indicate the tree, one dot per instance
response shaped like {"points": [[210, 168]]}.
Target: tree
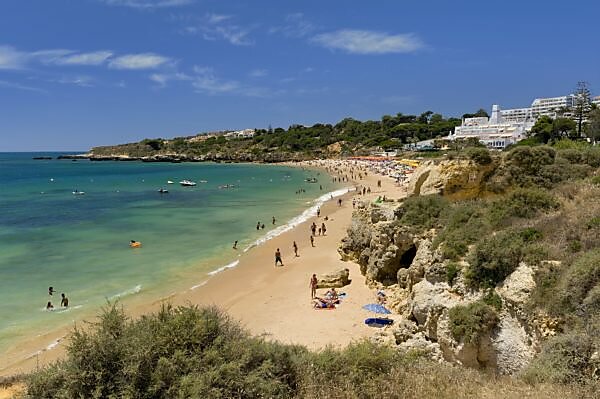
{"points": [[543, 129], [480, 113], [593, 128], [583, 104], [563, 127]]}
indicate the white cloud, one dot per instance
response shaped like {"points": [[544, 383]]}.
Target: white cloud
{"points": [[81, 81], [94, 58], [216, 18], [11, 58], [148, 4], [12, 85], [139, 61], [163, 78], [296, 26], [258, 73], [368, 42], [206, 81], [215, 26]]}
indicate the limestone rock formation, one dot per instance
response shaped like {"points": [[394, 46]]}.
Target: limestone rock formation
{"points": [[450, 178], [337, 279]]}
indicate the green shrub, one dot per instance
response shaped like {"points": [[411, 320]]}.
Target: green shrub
{"points": [[596, 180], [530, 234], [469, 323], [422, 212], [463, 224], [571, 155], [494, 258], [578, 281], [452, 271], [492, 299], [522, 203], [479, 155], [564, 359]]}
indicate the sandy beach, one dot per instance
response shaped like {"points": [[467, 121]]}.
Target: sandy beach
{"points": [[270, 301]]}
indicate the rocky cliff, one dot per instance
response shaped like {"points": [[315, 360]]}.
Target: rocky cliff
{"points": [[424, 288]]}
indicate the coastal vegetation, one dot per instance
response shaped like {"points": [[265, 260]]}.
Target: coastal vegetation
{"points": [[347, 137], [190, 352]]}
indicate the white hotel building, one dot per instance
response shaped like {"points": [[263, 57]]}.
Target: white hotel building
{"points": [[508, 126], [496, 131]]}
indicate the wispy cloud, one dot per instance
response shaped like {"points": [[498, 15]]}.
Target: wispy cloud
{"points": [[148, 4], [219, 27], [368, 42], [296, 26], [13, 85], [162, 79], [81, 81], [10, 58], [206, 81], [258, 73], [94, 58], [139, 61]]}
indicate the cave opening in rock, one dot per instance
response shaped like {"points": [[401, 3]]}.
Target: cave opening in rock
{"points": [[408, 256]]}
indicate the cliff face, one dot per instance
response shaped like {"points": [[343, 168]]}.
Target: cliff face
{"points": [[416, 280], [457, 179]]}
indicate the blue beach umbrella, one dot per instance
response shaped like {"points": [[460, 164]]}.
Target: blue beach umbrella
{"points": [[377, 308]]}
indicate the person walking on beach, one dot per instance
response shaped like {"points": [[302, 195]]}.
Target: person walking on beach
{"points": [[318, 212], [323, 228], [235, 244], [319, 231], [64, 302], [295, 246], [378, 183], [313, 286], [312, 241], [340, 202], [313, 228], [278, 257]]}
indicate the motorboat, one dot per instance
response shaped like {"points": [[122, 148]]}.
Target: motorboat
{"points": [[203, 181], [163, 191], [169, 182], [187, 183], [227, 186], [77, 192]]}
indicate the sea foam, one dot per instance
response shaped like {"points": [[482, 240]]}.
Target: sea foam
{"points": [[131, 291], [303, 217]]}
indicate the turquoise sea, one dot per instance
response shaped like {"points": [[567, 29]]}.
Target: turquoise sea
{"points": [[79, 243]]}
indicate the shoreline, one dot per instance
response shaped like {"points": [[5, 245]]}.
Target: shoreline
{"points": [[252, 291]]}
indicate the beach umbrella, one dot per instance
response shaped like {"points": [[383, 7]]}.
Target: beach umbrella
{"points": [[377, 308]]}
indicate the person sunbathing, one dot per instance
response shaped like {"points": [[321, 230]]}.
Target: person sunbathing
{"points": [[322, 303], [332, 295]]}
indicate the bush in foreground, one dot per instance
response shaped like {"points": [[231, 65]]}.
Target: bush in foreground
{"points": [[192, 352]]}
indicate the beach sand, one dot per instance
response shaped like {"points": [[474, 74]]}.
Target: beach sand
{"points": [[270, 301]]}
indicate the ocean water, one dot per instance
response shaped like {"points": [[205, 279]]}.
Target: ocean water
{"points": [[79, 243]]}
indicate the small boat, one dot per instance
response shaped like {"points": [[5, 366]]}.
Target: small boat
{"points": [[187, 183], [227, 186], [135, 244], [311, 180], [203, 181], [77, 192], [169, 182], [163, 191]]}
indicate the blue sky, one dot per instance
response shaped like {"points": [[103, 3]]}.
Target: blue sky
{"points": [[80, 73]]}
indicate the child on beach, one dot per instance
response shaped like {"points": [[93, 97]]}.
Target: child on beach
{"points": [[312, 241]]}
